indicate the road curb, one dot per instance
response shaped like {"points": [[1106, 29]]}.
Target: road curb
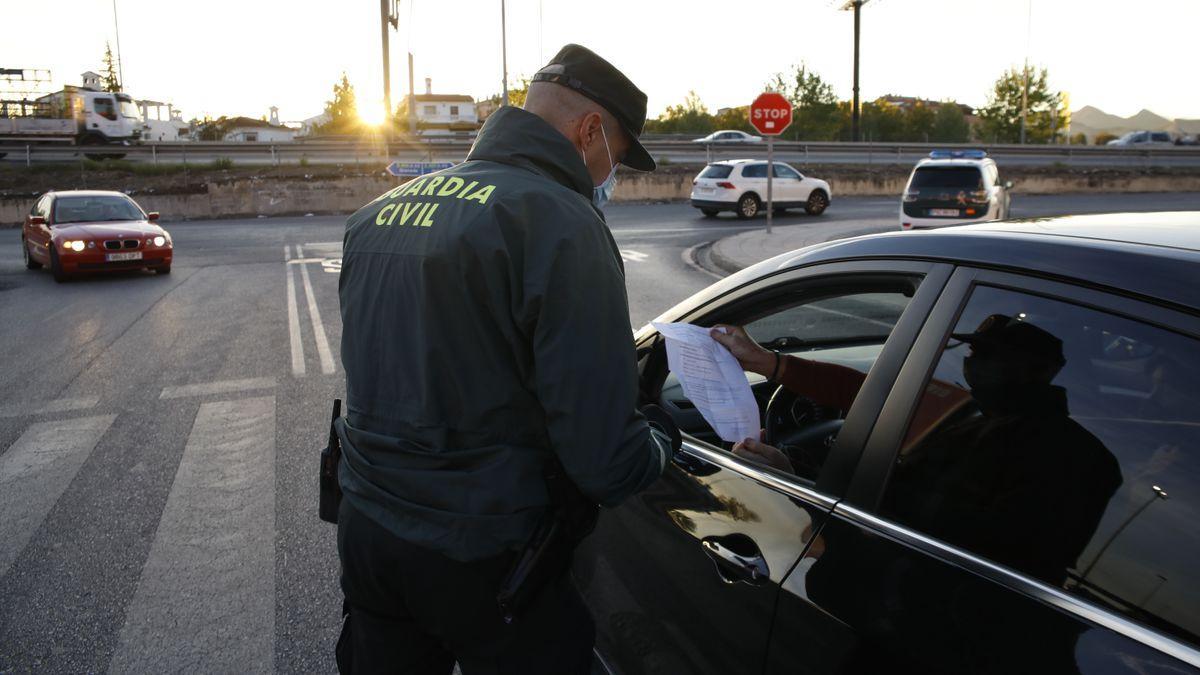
{"points": [[717, 260]]}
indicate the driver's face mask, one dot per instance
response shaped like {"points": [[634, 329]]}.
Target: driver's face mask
{"points": [[603, 192]]}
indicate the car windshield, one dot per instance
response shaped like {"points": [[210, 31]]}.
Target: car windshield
{"points": [[716, 171], [947, 178], [128, 109], [95, 208]]}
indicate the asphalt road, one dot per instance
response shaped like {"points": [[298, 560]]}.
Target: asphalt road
{"points": [[159, 436]]}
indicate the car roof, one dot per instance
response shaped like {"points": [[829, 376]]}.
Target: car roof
{"points": [[1155, 256], [956, 161], [735, 162], [86, 193]]}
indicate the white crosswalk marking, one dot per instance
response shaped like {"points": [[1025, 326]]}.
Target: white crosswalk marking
{"points": [[206, 598], [41, 407], [35, 472], [220, 387]]}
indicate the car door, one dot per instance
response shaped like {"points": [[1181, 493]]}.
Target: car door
{"points": [[789, 188], [684, 577], [991, 528], [38, 236], [754, 179]]}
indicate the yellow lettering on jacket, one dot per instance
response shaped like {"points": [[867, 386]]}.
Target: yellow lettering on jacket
{"points": [[429, 216], [481, 195], [433, 183], [383, 213], [453, 183]]}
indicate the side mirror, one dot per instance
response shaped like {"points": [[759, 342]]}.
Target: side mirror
{"points": [[37, 220], [152, 216]]}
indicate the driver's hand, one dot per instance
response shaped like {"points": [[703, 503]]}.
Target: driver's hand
{"points": [[757, 451], [750, 355]]}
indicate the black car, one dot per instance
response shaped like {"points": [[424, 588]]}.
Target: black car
{"points": [[1034, 514]]}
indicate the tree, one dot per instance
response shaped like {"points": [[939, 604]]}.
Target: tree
{"points": [[689, 117], [1103, 138], [516, 95], [918, 123], [737, 119], [111, 81], [950, 125], [1000, 119], [342, 110], [882, 122], [815, 114], [1079, 139]]}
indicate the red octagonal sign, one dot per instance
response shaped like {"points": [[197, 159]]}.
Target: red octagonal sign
{"points": [[770, 113]]}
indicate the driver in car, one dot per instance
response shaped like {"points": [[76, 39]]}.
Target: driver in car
{"points": [[826, 384]]}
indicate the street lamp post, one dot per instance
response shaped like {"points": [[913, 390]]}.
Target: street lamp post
{"points": [[856, 6], [389, 13], [503, 56]]}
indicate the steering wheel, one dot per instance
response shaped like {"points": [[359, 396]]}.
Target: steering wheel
{"points": [[796, 425]]}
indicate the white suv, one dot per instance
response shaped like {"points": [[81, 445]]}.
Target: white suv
{"points": [[740, 185], [953, 187]]}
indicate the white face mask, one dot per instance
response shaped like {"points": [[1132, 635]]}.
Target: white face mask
{"points": [[603, 192]]}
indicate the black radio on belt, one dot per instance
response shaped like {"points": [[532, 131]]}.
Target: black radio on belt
{"points": [[331, 456]]}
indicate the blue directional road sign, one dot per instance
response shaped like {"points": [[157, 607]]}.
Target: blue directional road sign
{"points": [[416, 168]]}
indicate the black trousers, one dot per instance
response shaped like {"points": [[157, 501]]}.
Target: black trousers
{"points": [[413, 610]]}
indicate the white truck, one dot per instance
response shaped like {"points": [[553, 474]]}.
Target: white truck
{"points": [[82, 116]]}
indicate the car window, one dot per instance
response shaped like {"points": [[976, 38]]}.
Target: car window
{"points": [[95, 208], [946, 178], [40, 206], [785, 171], [716, 171], [1064, 443], [104, 108], [828, 333], [754, 171], [1161, 136]]}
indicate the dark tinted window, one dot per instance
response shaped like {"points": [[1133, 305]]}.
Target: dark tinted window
{"points": [[716, 171], [947, 177], [1064, 442], [785, 171], [1161, 136], [104, 107], [754, 171], [94, 208]]}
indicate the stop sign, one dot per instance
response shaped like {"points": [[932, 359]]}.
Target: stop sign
{"points": [[770, 113]]}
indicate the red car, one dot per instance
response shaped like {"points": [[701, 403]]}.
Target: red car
{"points": [[81, 231]]}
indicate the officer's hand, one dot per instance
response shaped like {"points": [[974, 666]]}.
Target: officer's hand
{"points": [[664, 424], [750, 355]]}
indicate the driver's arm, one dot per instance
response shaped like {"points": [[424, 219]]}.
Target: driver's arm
{"points": [[826, 384]]}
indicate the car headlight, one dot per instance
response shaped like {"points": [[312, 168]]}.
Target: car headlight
{"points": [[75, 245], [160, 240]]}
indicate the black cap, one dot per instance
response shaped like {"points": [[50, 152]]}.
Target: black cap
{"points": [[581, 69], [1014, 335]]}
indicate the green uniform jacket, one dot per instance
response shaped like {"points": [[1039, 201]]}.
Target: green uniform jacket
{"points": [[485, 329]]}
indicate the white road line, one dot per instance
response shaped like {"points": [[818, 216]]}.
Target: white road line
{"points": [[315, 315], [220, 387], [35, 472], [293, 319], [206, 598], [629, 255], [42, 407]]}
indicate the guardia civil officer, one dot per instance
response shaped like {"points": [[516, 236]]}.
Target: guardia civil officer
{"points": [[487, 345]]}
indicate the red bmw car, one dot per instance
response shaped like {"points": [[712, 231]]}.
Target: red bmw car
{"points": [[79, 231]]}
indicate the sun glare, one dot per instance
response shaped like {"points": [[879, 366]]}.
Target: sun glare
{"points": [[371, 115]]}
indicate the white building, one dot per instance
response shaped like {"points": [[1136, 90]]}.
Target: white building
{"points": [[444, 113], [249, 130]]}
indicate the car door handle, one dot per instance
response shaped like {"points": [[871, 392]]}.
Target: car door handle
{"points": [[737, 558]]}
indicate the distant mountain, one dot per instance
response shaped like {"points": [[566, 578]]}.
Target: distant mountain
{"points": [[1091, 121]]}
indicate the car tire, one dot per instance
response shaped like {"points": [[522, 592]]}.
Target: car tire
{"points": [[30, 263], [56, 267], [165, 269], [93, 140], [748, 206], [817, 202], [709, 213]]}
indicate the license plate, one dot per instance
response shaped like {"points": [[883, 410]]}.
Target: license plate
{"points": [[114, 257], [705, 190], [943, 212]]}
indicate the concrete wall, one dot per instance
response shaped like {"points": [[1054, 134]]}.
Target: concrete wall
{"points": [[253, 196]]}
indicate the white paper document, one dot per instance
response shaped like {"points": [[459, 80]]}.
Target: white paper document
{"points": [[712, 380]]}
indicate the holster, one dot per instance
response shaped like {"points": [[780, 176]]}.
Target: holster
{"points": [[547, 554], [331, 457]]}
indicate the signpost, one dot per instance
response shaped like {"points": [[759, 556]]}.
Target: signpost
{"points": [[416, 168], [770, 114]]}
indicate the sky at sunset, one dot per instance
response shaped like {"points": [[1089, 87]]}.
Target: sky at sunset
{"points": [[225, 57]]}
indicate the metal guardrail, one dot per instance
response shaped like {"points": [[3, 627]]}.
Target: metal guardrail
{"points": [[346, 151]]}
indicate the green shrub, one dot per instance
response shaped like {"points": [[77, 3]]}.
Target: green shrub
{"points": [[221, 163], [1104, 138]]}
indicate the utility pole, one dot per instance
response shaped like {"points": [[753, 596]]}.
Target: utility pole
{"points": [[120, 61], [856, 6], [412, 99], [1025, 71], [503, 56], [388, 14]]}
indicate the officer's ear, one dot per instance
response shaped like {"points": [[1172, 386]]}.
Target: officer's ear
{"points": [[589, 128]]}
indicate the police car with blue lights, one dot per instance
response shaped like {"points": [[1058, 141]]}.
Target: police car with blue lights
{"points": [[954, 187]]}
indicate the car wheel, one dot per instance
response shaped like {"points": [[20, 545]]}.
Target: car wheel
{"points": [[709, 213], [747, 206], [56, 267], [165, 269], [30, 263], [817, 202]]}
